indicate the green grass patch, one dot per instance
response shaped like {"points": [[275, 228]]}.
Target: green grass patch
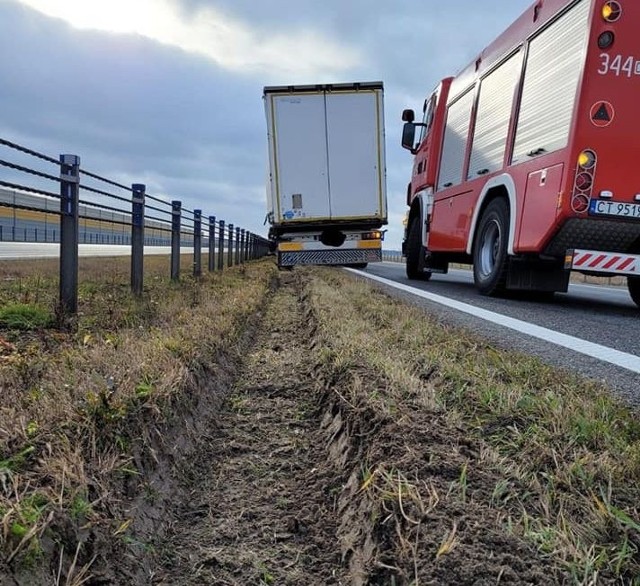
{"points": [[22, 316]]}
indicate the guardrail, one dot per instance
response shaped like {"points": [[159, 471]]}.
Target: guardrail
{"points": [[392, 256], [55, 216]]}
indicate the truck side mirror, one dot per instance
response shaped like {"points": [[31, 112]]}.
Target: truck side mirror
{"points": [[408, 115], [408, 135]]}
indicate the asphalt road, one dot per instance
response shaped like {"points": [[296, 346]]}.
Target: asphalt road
{"points": [[592, 330]]}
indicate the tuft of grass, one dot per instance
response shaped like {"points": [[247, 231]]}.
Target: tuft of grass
{"points": [[22, 316], [80, 507], [14, 463]]}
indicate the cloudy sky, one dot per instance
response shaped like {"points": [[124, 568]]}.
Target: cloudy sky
{"points": [[169, 92]]}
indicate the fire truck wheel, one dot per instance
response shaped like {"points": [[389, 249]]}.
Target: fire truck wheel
{"points": [[490, 261], [633, 283], [414, 252]]}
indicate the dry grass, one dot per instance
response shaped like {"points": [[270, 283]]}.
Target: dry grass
{"points": [[78, 405], [566, 454], [75, 402]]}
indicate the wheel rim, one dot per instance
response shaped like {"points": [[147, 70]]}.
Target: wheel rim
{"points": [[490, 248]]}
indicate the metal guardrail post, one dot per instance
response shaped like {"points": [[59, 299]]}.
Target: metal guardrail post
{"points": [[237, 253], [221, 245], [176, 213], [212, 243], [242, 246], [137, 237], [230, 247], [69, 188], [197, 243]]}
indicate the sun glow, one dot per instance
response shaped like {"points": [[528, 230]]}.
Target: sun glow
{"points": [[230, 42], [118, 16]]}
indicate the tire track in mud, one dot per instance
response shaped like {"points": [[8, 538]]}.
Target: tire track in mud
{"points": [[262, 496], [305, 478]]}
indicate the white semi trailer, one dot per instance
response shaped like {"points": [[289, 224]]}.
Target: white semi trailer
{"points": [[326, 192]]}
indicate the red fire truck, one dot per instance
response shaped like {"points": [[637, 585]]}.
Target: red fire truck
{"points": [[527, 163]]}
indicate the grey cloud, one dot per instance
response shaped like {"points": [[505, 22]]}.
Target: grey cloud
{"points": [[130, 106], [134, 108]]}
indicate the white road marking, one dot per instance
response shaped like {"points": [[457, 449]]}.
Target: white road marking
{"points": [[604, 353]]}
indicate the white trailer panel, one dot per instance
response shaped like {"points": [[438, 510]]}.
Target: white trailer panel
{"points": [[326, 154], [356, 154], [300, 172]]}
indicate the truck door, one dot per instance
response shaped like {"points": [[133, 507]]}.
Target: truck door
{"points": [[421, 179], [302, 165], [353, 144]]}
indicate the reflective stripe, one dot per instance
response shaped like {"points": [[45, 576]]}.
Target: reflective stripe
{"points": [[604, 262], [370, 244], [289, 246]]}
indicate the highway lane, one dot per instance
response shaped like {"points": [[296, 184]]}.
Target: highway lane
{"points": [[589, 314]]}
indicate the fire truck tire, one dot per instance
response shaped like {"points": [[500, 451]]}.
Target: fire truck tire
{"points": [[414, 253], [490, 259], [633, 283]]}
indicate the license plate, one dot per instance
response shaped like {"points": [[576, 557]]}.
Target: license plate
{"points": [[599, 207]]}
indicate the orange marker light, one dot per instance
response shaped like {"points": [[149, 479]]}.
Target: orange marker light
{"points": [[587, 159], [611, 11]]}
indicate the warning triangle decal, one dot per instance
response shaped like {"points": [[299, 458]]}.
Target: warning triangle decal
{"points": [[602, 114]]}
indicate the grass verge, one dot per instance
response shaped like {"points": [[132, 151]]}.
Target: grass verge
{"points": [[555, 457], [456, 461], [85, 412]]}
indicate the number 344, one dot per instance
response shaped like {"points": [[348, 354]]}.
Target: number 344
{"points": [[618, 65]]}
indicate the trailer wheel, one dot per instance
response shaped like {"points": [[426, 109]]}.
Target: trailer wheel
{"points": [[415, 253], [633, 283], [490, 260]]}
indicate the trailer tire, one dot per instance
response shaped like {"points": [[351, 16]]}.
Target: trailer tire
{"points": [[490, 259], [633, 284], [415, 253]]}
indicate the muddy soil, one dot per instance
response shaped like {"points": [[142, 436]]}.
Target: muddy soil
{"points": [[262, 503], [299, 480]]}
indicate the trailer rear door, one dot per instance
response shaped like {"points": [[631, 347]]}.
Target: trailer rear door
{"points": [[302, 182], [355, 154]]}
